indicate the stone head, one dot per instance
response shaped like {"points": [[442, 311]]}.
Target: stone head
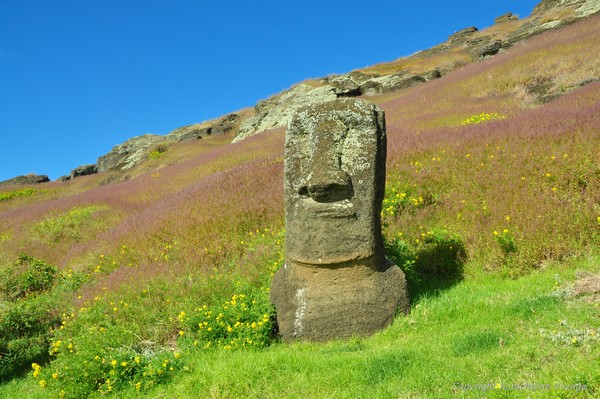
{"points": [[334, 165]]}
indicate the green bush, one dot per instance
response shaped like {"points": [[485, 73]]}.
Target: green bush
{"points": [[403, 255], [440, 255], [25, 334], [97, 350], [436, 260], [506, 242], [27, 276], [243, 321]]}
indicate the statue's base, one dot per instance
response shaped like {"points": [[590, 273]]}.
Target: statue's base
{"points": [[319, 304]]}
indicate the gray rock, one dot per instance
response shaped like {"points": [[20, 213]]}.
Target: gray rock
{"points": [[487, 49], [130, 153], [462, 34], [202, 130], [186, 133], [276, 111], [26, 179], [386, 84], [336, 282], [84, 170], [546, 5], [504, 18], [590, 7], [534, 27], [349, 85]]}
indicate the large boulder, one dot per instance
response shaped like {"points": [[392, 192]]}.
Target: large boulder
{"points": [[276, 111], [84, 170], [485, 47], [202, 130], [504, 18], [336, 281], [462, 34], [125, 156], [26, 179], [349, 84], [390, 83]]}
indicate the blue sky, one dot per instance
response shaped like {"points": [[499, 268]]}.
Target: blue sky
{"points": [[79, 77]]}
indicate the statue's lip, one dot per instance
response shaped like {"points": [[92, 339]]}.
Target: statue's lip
{"points": [[340, 209]]}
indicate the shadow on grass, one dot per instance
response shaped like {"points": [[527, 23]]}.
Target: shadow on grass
{"points": [[433, 266]]}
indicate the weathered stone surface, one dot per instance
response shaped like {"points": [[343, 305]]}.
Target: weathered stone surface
{"points": [[546, 5], [84, 170], [349, 84], [386, 84], [504, 18], [534, 27], [127, 155], [487, 49], [462, 34], [588, 8], [202, 130], [336, 281], [26, 179], [276, 111], [187, 133]]}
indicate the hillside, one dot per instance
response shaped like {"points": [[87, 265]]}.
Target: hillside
{"points": [[152, 280]]}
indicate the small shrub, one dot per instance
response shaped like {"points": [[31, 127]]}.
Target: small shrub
{"points": [[437, 258], [506, 242], [98, 350], [27, 276], [25, 334], [245, 320], [157, 151], [440, 255], [402, 255]]}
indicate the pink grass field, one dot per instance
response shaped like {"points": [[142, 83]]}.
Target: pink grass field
{"points": [[535, 173]]}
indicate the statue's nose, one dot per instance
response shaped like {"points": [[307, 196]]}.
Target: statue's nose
{"points": [[328, 185]]}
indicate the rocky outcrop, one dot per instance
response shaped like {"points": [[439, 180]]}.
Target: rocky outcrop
{"points": [[462, 34], [84, 170], [349, 84], [202, 130], [484, 46], [276, 111], [535, 27], [127, 155], [26, 179], [547, 5], [186, 133], [588, 8], [385, 84], [504, 18]]}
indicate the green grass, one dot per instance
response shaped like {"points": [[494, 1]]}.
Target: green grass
{"points": [[485, 337], [68, 226]]}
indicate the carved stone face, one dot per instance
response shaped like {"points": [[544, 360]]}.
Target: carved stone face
{"points": [[334, 182]]}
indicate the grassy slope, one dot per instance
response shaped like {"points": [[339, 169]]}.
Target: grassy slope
{"points": [[535, 173]]}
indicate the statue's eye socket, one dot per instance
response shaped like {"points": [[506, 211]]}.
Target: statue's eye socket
{"points": [[303, 191]]}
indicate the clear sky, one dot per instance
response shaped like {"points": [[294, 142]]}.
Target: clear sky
{"points": [[79, 77]]}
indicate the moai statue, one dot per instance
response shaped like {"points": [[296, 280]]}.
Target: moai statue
{"points": [[336, 281]]}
